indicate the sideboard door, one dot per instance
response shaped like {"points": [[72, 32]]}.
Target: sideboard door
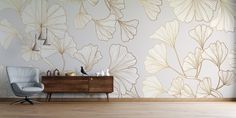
{"points": [[65, 85], [101, 84]]}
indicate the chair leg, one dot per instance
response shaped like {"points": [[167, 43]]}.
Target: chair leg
{"points": [[26, 99], [23, 102], [18, 101]]}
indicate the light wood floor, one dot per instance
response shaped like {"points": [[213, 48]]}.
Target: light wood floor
{"points": [[120, 110]]}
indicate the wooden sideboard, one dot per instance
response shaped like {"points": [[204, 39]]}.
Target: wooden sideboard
{"points": [[77, 84]]}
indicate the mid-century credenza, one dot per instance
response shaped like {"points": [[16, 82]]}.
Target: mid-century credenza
{"points": [[77, 84]]}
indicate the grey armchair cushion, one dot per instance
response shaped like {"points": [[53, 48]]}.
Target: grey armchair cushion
{"points": [[24, 81]]}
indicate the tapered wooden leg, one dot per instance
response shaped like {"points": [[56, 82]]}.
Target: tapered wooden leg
{"points": [[47, 97], [107, 97], [50, 95]]}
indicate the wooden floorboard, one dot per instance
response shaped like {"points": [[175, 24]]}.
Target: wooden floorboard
{"points": [[120, 110], [128, 99]]}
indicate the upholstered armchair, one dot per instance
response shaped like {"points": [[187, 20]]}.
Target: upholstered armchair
{"points": [[24, 82]]}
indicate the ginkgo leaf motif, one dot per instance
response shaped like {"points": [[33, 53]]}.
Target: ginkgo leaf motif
{"points": [[105, 28], [157, 59], [122, 67], [8, 32], [193, 61], [180, 89], [152, 8], [75, 2], [224, 15], [128, 29], [216, 53], [115, 7], [205, 89], [168, 33], [93, 2], [187, 10], [176, 87], [61, 46], [82, 18], [133, 93], [28, 54], [231, 58], [226, 77], [187, 92], [201, 34], [89, 56], [152, 87], [37, 14], [17, 5]]}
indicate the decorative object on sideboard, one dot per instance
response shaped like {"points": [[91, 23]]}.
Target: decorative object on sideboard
{"points": [[70, 73], [103, 73], [98, 73], [49, 73], [107, 72], [56, 72], [83, 71]]}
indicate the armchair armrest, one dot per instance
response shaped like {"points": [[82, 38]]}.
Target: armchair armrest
{"points": [[39, 85]]}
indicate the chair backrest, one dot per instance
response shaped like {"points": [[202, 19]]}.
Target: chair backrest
{"points": [[23, 74]]}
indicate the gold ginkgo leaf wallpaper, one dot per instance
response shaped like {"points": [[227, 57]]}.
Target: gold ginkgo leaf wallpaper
{"points": [[153, 48]]}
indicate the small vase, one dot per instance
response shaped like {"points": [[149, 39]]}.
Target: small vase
{"points": [[102, 73], [107, 72]]}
